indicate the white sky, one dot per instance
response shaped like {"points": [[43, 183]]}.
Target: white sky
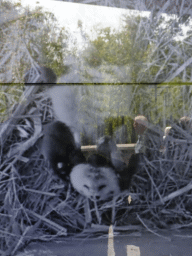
{"points": [[68, 14]]}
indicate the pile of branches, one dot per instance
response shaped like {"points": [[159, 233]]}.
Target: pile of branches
{"points": [[163, 184], [36, 205]]}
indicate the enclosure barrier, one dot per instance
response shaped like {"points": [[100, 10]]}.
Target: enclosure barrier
{"points": [[126, 150]]}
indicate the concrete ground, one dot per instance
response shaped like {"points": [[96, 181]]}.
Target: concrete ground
{"points": [[148, 243]]}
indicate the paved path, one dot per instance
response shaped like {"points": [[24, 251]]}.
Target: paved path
{"points": [[149, 245]]}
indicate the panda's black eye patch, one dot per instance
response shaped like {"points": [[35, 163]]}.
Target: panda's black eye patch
{"points": [[85, 186], [101, 187]]}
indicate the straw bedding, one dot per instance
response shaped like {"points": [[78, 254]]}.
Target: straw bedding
{"points": [[36, 205]]}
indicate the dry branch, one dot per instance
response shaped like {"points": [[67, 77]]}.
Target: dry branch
{"points": [[26, 99], [177, 193]]}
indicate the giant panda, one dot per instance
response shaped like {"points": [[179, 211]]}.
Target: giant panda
{"points": [[104, 174], [96, 178], [100, 177]]}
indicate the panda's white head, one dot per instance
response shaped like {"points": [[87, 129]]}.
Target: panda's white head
{"points": [[96, 183]]}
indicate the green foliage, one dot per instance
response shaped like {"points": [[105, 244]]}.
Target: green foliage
{"points": [[32, 37], [27, 37], [150, 50], [162, 104], [120, 48], [113, 123], [9, 98], [53, 52]]}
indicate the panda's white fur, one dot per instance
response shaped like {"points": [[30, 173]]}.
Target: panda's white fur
{"points": [[65, 106], [99, 183]]}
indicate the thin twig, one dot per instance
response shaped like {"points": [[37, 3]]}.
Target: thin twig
{"points": [[169, 239]]}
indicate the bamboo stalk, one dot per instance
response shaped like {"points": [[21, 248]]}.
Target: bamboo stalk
{"points": [[40, 192]]}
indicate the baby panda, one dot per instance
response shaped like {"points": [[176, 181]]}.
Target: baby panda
{"points": [[103, 176], [96, 178], [100, 177]]}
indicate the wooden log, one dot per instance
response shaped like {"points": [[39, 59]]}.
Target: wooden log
{"points": [[122, 147]]}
